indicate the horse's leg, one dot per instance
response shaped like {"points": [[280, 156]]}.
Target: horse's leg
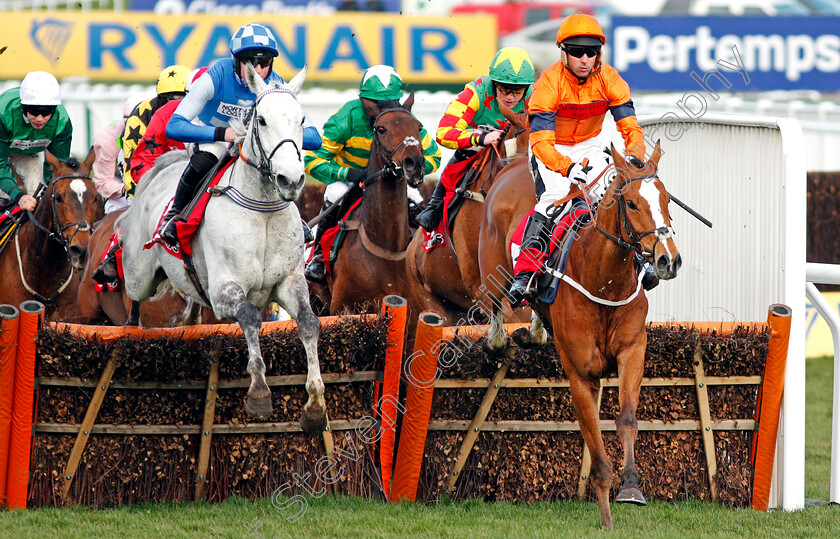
{"points": [[496, 342], [133, 314], [630, 370], [534, 336], [584, 400], [231, 302], [293, 295]]}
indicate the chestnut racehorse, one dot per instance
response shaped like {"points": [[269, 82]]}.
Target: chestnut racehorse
{"points": [[598, 328], [167, 308], [43, 259], [371, 263], [447, 279]]}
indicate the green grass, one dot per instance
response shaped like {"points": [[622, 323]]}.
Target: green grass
{"points": [[350, 517]]}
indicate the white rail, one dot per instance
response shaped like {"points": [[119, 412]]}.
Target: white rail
{"points": [[829, 274]]}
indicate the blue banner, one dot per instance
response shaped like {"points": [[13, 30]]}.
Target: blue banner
{"points": [[727, 54], [245, 7]]}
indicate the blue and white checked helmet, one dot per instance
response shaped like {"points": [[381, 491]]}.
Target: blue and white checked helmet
{"points": [[253, 36]]}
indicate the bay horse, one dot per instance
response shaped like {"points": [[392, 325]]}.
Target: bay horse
{"points": [[447, 279], [249, 248], [602, 332], [371, 263], [43, 258], [166, 308]]}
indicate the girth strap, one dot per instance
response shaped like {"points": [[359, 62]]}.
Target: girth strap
{"points": [[371, 247]]}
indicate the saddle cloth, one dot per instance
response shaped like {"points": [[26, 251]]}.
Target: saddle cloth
{"points": [[115, 284], [187, 227], [451, 177], [333, 238], [557, 232]]}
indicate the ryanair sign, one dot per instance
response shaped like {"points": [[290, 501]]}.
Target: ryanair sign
{"points": [[135, 46], [761, 53]]}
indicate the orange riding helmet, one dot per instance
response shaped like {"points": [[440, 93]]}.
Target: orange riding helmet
{"points": [[584, 28]]}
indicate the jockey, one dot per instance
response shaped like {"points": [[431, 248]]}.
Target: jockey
{"points": [[107, 167], [473, 120], [348, 134], [155, 142], [32, 119], [565, 115], [203, 117], [172, 84]]}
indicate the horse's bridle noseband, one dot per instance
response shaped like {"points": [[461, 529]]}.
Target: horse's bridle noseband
{"points": [[624, 224], [81, 226]]}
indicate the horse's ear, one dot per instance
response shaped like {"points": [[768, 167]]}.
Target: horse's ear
{"points": [[409, 101], [252, 80], [618, 159], [657, 153], [88, 162], [52, 160], [297, 81]]}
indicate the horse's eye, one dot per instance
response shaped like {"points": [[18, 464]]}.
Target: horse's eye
{"points": [[261, 120], [380, 129], [632, 205], [58, 198]]}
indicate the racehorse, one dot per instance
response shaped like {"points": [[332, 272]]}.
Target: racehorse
{"points": [[249, 247], [43, 257], [447, 279], [598, 328], [166, 308], [371, 263]]}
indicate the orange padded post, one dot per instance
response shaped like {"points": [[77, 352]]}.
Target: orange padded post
{"points": [[768, 405], [395, 308], [20, 444], [421, 372], [8, 349]]}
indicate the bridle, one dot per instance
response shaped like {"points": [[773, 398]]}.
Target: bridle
{"points": [[264, 166], [625, 226], [80, 226], [391, 167]]}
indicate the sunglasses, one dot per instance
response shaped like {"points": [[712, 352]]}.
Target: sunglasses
{"points": [[510, 91], [261, 61], [578, 51], [39, 110]]}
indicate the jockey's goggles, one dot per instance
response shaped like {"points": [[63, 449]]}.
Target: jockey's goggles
{"points": [[39, 110], [262, 61], [510, 91], [578, 51]]}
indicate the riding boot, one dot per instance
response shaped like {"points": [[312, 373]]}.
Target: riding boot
{"points": [[533, 253], [650, 280], [200, 164], [106, 272], [431, 216], [307, 232], [316, 270]]}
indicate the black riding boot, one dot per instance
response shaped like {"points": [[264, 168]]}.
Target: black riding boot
{"points": [[307, 232], [200, 164], [650, 280], [535, 240], [431, 216], [315, 270], [106, 272]]}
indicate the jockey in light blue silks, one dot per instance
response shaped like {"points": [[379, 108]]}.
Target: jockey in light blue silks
{"points": [[204, 115]]}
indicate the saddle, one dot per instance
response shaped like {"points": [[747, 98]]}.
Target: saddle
{"points": [[457, 178]]}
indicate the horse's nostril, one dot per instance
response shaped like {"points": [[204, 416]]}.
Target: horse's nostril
{"points": [[412, 161], [678, 262], [301, 181], [662, 263]]}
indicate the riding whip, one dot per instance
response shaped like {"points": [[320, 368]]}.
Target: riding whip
{"points": [[685, 206]]}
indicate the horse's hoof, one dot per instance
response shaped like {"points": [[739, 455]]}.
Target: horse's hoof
{"points": [[631, 495], [258, 407], [522, 337], [313, 421], [492, 350]]}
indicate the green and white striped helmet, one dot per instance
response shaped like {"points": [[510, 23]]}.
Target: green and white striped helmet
{"points": [[381, 82]]}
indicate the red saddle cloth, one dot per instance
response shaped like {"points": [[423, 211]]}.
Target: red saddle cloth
{"points": [[115, 284], [329, 246], [450, 178], [187, 227], [533, 260]]}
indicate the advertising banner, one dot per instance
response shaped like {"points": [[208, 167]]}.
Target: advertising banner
{"points": [[727, 53], [135, 46], [180, 7]]}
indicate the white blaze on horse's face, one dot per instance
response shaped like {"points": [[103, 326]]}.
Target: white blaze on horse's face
{"points": [[649, 191], [78, 187]]}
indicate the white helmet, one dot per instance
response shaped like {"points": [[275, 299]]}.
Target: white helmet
{"points": [[39, 88]]}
